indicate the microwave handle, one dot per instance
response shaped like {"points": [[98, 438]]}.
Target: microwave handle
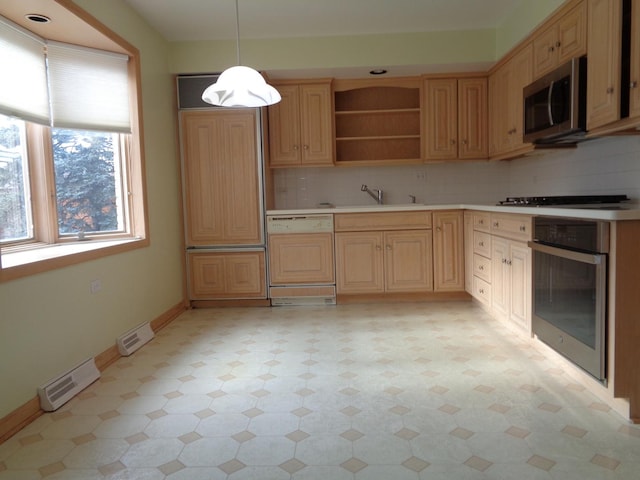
{"points": [[549, 97]]}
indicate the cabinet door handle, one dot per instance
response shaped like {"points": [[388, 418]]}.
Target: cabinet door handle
{"points": [[552, 48], [508, 262], [388, 247], [481, 267], [464, 142], [378, 247], [558, 44], [306, 147], [296, 147], [496, 224], [481, 290], [523, 228], [453, 142], [481, 244], [634, 84], [610, 90], [438, 229]]}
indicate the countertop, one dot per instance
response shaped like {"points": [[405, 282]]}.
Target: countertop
{"points": [[623, 211]]}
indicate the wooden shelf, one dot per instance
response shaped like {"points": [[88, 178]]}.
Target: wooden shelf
{"points": [[377, 98], [378, 124], [377, 137], [378, 148]]}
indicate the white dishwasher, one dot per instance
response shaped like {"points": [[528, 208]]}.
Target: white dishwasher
{"points": [[301, 260]]}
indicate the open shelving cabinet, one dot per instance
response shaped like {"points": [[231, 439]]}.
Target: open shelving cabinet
{"points": [[378, 124]]}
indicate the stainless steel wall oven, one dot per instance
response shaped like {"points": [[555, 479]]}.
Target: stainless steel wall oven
{"points": [[570, 289]]}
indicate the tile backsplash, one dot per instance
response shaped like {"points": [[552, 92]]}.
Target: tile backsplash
{"points": [[603, 166]]}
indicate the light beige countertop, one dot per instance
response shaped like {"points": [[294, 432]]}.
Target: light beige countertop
{"points": [[624, 211]]}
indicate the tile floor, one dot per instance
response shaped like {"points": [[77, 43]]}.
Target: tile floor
{"points": [[407, 391]]}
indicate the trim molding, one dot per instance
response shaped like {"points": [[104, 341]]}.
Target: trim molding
{"points": [[343, 299], [27, 413]]}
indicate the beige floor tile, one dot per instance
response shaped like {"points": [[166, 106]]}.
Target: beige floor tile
{"points": [[358, 392]]}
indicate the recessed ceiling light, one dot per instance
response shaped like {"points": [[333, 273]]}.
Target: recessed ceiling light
{"points": [[38, 18], [378, 71]]}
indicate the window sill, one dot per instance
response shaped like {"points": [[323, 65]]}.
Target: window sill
{"points": [[36, 260]]}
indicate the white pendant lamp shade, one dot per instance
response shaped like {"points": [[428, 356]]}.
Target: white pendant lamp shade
{"points": [[241, 87]]}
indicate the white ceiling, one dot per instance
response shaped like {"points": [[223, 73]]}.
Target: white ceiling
{"points": [[185, 20]]}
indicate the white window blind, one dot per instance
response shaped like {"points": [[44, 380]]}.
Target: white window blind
{"points": [[89, 88], [23, 81]]}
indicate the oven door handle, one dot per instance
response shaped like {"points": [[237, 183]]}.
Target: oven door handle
{"points": [[590, 258]]}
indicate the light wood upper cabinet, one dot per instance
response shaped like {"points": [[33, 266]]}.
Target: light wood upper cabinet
{"points": [[441, 114], [473, 118], [301, 126], [455, 112], [634, 100], [603, 66], [221, 179], [448, 251], [561, 41], [506, 103]]}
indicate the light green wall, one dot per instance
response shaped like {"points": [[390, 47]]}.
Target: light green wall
{"points": [[336, 52], [50, 322], [524, 18], [426, 48]]}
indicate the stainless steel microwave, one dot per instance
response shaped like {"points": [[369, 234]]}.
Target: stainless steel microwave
{"points": [[555, 104]]}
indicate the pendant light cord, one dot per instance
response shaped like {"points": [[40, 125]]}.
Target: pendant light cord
{"points": [[237, 33]]}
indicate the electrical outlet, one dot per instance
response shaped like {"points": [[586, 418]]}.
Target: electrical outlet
{"points": [[95, 286]]}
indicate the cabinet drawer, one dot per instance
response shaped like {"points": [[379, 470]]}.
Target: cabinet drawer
{"points": [[481, 290], [482, 267], [482, 221], [360, 222], [482, 244], [517, 227]]}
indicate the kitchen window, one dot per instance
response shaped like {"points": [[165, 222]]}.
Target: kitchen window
{"points": [[71, 185]]}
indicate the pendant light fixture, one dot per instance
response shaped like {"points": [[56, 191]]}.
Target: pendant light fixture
{"points": [[240, 86]]}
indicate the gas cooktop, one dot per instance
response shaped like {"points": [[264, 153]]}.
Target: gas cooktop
{"points": [[577, 201]]}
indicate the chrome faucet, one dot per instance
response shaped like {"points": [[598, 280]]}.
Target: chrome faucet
{"points": [[377, 196]]}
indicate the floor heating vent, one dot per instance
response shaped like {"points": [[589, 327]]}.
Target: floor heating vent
{"points": [[63, 388], [135, 338]]}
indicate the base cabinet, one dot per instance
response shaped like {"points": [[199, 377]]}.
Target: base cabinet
{"points": [[501, 264], [376, 262], [448, 251], [227, 275], [511, 281]]}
